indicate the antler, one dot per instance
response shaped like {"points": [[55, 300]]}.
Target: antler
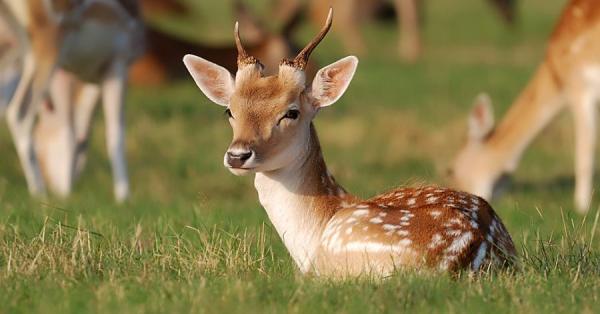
{"points": [[243, 58], [301, 59]]}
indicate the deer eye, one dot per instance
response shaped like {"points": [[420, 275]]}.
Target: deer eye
{"points": [[292, 114], [228, 113]]}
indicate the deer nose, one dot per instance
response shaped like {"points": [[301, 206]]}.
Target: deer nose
{"points": [[236, 159]]}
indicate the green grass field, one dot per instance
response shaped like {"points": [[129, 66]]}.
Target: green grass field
{"points": [[193, 238]]}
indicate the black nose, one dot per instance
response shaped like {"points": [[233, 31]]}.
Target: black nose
{"points": [[237, 160]]}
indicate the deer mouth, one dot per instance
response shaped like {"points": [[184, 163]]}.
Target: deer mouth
{"points": [[240, 171]]}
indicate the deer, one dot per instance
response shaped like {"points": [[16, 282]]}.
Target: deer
{"points": [[567, 78], [351, 12], [328, 231], [74, 52], [161, 61]]}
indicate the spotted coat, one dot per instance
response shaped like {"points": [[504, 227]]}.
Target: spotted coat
{"points": [[435, 227]]}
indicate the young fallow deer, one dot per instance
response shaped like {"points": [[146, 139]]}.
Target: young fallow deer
{"points": [[73, 52], [327, 230], [568, 77]]}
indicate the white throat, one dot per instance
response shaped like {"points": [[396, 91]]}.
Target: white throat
{"points": [[300, 199], [294, 215]]}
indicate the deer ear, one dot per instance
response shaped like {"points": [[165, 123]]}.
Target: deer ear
{"points": [[213, 80], [331, 82], [481, 119]]}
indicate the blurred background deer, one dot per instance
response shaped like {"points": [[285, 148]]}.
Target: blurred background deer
{"points": [[351, 14], [567, 78], [70, 54], [51, 93]]}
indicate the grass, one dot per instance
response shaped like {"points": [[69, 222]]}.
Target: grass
{"points": [[193, 238]]}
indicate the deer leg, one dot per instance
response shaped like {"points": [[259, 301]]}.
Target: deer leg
{"points": [[113, 92], [20, 116], [55, 136], [348, 25], [84, 111], [409, 29], [583, 105], [9, 80]]}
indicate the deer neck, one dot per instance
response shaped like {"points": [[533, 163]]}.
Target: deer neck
{"points": [[535, 107], [300, 199]]}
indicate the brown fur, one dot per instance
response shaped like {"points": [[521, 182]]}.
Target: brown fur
{"points": [[571, 48]]}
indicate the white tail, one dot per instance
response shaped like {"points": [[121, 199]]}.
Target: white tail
{"points": [[568, 77], [326, 229]]}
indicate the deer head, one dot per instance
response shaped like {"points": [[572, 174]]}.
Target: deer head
{"points": [[475, 169], [271, 116]]}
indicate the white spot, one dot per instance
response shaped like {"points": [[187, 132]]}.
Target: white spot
{"points": [[405, 242], [351, 220], [403, 233], [453, 232], [445, 264], [411, 201], [362, 206], [365, 228], [382, 214], [475, 201], [455, 221], [349, 230], [374, 247], [389, 227], [435, 213], [405, 218], [431, 200], [360, 212], [481, 252], [376, 220], [474, 224], [460, 243], [404, 223], [436, 241]]}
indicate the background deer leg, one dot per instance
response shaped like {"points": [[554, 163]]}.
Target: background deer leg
{"points": [[21, 114], [113, 92], [55, 136], [86, 101], [583, 105], [409, 29]]}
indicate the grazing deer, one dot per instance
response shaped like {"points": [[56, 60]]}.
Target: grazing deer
{"points": [[568, 77], [326, 229], [351, 12], [162, 60], [74, 51]]}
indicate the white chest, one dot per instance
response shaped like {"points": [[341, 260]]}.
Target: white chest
{"points": [[294, 219]]}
